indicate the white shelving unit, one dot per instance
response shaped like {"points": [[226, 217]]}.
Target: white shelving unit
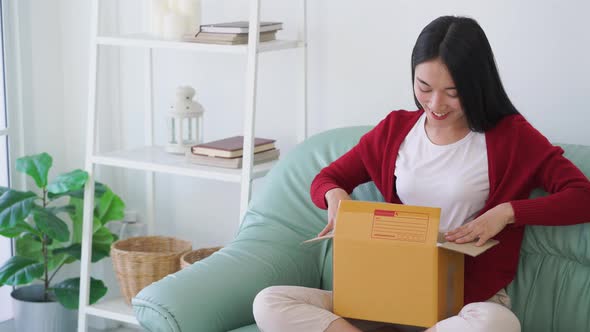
{"points": [[155, 159], [146, 41], [152, 159]]}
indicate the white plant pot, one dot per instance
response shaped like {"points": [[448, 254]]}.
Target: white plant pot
{"points": [[31, 315]]}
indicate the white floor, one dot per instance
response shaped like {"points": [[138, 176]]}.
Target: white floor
{"points": [[9, 327]]}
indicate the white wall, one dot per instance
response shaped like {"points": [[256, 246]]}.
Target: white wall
{"points": [[5, 301], [43, 79], [364, 65], [359, 70]]}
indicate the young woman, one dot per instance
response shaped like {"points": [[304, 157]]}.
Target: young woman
{"points": [[466, 150]]}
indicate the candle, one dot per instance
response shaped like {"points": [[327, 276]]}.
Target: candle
{"points": [[158, 8], [187, 7], [191, 9], [174, 26], [173, 5]]}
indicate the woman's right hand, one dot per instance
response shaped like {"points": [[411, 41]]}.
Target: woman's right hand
{"points": [[333, 198]]}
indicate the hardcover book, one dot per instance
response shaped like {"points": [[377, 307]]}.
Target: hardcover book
{"points": [[260, 157], [228, 38], [240, 27], [231, 147]]}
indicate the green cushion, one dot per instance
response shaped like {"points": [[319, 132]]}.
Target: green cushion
{"points": [[216, 294], [249, 328], [550, 292]]}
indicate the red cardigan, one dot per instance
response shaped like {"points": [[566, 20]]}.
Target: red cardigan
{"points": [[520, 159]]}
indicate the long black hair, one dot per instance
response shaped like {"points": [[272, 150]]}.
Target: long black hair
{"points": [[461, 44]]}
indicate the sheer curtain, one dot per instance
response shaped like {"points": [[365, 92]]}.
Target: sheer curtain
{"points": [[5, 243]]}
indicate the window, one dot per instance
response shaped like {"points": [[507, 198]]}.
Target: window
{"points": [[5, 243]]}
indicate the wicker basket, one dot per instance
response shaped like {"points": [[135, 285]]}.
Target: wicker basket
{"points": [[196, 255], [139, 261]]}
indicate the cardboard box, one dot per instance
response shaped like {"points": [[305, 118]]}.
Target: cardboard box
{"points": [[391, 265]]}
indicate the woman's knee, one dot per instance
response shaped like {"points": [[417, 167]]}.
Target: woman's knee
{"points": [[481, 317], [488, 317], [265, 301]]}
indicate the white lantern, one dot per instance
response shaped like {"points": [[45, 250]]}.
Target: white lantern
{"points": [[185, 122]]}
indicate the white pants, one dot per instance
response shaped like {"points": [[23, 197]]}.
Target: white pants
{"points": [[302, 309]]}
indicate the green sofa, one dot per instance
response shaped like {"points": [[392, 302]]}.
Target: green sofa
{"points": [[551, 291]]}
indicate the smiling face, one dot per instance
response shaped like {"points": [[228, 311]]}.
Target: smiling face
{"points": [[436, 92]]}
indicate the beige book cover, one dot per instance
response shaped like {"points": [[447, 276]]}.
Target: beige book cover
{"points": [[236, 162]]}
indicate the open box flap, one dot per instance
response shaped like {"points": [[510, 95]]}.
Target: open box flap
{"points": [[465, 248], [320, 238]]}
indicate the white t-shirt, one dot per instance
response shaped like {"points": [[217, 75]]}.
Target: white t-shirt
{"points": [[453, 177]]}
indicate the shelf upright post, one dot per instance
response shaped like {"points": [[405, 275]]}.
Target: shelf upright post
{"points": [[250, 106], [89, 167], [149, 141], [302, 130]]}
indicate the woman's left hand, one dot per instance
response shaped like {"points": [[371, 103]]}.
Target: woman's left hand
{"points": [[483, 227]]}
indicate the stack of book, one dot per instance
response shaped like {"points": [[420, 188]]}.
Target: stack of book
{"points": [[233, 33], [228, 152]]}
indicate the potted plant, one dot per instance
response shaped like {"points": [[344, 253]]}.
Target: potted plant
{"points": [[47, 228]]}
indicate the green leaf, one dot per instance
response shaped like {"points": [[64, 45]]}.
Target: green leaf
{"points": [[68, 292], [68, 182], [33, 236], [101, 243], [20, 271], [36, 166], [99, 251], [110, 207], [73, 250], [69, 209], [101, 246], [11, 197], [30, 246], [55, 261], [51, 225], [77, 221], [103, 235], [77, 226], [76, 213], [15, 207], [99, 190], [76, 217], [17, 230], [3, 190]]}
